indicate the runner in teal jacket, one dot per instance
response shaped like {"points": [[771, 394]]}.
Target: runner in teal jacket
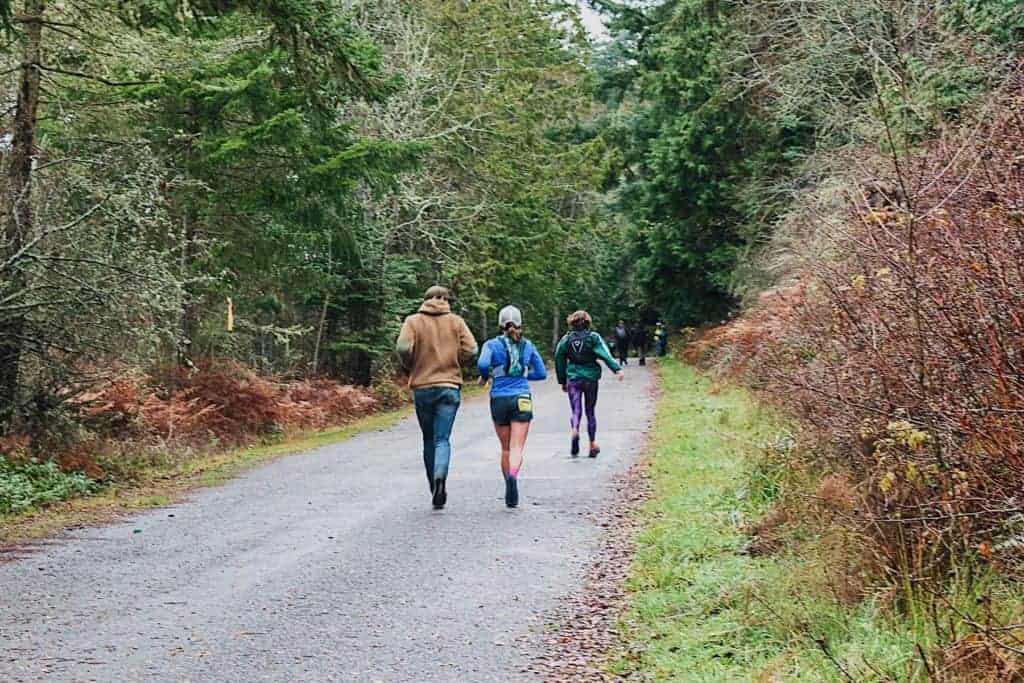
{"points": [[578, 370]]}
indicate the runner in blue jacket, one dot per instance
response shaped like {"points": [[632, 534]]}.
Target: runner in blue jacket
{"points": [[513, 362]]}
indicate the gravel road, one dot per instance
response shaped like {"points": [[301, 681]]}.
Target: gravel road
{"points": [[331, 565]]}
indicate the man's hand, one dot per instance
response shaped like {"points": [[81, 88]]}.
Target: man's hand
{"points": [[619, 375]]}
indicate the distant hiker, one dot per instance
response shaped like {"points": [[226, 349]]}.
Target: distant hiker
{"points": [[433, 345], [621, 333], [512, 362], [579, 372], [660, 338], [641, 341]]}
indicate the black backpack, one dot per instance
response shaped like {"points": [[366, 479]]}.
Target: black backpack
{"points": [[578, 350]]}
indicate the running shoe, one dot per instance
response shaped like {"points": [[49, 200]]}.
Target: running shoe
{"points": [[440, 495], [594, 450], [511, 492], [574, 449]]}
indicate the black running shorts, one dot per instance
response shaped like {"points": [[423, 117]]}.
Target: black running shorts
{"points": [[508, 409]]}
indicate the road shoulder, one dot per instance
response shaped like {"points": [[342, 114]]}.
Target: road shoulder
{"points": [[20, 533], [582, 635]]}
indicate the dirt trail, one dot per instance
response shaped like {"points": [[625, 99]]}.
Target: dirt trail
{"points": [[331, 566]]}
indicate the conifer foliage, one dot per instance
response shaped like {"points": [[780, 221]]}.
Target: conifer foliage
{"points": [[302, 168]]}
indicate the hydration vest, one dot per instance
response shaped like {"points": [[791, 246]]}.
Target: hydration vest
{"points": [[513, 359], [577, 348]]}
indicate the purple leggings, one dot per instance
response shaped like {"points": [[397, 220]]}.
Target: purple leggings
{"points": [[583, 391]]}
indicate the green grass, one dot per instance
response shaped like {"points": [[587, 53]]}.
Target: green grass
{"points": [[701, 609]]}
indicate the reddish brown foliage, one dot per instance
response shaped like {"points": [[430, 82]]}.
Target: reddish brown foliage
{"points": [[905, 350], [81, 457], [836, 494], [223, 401], [14, 444], [217, 403], [766, 535], [977, 658]]}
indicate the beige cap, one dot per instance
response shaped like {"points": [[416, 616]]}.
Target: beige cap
{"points": [[438, 292]]}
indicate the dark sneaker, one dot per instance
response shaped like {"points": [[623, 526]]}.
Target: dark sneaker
{"points": [[574, 449], [593, 452], [511, 492], [440, 495]]}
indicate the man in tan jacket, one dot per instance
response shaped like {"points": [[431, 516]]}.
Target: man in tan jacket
{"points": [[433, 346]]}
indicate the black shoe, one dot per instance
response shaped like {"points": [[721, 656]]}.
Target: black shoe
{"points": [[440, 495], [511, 492], [574, 449], [593, 452]]}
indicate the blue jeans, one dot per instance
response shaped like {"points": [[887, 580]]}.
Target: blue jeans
{"points": [[435, 409]]}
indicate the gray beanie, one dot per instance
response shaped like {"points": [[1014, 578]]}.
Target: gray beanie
{"points": [[510, 314]]}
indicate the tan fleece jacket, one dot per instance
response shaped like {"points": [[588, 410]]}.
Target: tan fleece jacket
{"points": [[433, 345]]}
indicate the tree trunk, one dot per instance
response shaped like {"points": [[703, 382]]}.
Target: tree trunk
{"points": [[189, 236], [555, 319], [315, 367], [20, 219], [189, 310]]}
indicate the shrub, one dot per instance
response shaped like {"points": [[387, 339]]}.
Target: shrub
{"points": [[903, 350], [223, 402], [35, 484]]}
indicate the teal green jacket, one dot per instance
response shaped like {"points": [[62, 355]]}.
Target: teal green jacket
{"points": [[567, 370]]}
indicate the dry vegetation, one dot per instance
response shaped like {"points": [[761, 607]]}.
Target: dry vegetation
{"points": [[125, 427], [898, 346]]}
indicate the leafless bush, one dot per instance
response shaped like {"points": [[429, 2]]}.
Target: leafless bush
{"points": [[903, 351]]}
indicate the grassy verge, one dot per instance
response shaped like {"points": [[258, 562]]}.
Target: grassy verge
{"points": [[703, 607], [166, 483]]}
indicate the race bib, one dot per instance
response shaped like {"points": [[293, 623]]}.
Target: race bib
{"points": [[525, 404]]}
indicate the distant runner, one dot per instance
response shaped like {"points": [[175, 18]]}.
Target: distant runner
{"points": [[621, 333], [660, 338], [641, 341], [579, 372], [512, 362], [432, 346]]}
